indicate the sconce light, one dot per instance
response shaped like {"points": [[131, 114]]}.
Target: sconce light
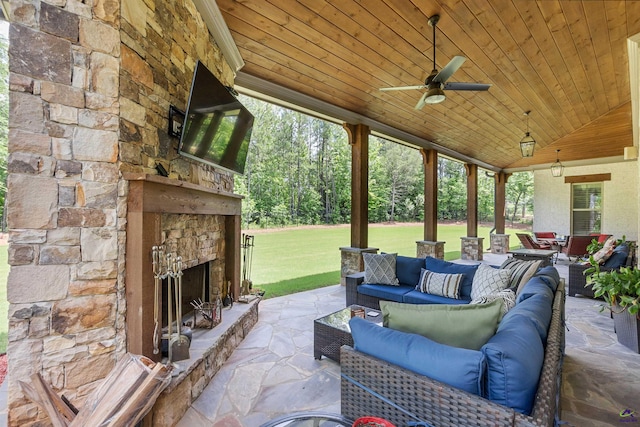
{"points": [[176, 121], [557, 168], [527, 143]]}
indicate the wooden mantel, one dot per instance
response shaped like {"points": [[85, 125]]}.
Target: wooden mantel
{"points": [[149, 197]]}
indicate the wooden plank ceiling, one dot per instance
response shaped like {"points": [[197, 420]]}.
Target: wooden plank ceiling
{"points": [[566, 61]]}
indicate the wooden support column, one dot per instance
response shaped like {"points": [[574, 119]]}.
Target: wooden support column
{"points": [[430, 164], [472, 199], [500, 201], [359, 141], [232, 227]]}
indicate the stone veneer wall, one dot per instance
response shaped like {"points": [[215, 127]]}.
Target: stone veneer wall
{"points": [[197, 239], [90, 87]]}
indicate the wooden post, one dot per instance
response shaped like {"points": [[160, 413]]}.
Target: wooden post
{"points": [[359, 141], [430, 164], [472, 199], [143, 232], [232, 227], [500, 201]]}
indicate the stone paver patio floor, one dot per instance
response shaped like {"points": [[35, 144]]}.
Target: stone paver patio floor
{"points": [[273, 371]]}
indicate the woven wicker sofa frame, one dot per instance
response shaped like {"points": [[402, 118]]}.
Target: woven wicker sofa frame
{"points": [[353, 297], [577, 279], [439, 404]]}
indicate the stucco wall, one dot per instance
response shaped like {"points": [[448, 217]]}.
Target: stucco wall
{"points": [[552, 205]]}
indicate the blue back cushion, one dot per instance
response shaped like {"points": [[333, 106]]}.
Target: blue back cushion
{"points": [[408, 269], [537, 309], [537, 285], [458, 367], [550, 275], [514, 360], [441, 266], [618, 258]]}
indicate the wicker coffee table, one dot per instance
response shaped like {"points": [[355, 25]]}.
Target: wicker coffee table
{"points": [[332, 331]]}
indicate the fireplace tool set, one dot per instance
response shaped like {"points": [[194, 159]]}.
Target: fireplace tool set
{"points": [[168, 266], [247, 294]]}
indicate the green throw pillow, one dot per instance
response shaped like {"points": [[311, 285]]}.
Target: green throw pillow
{"points": [[459, 325]]}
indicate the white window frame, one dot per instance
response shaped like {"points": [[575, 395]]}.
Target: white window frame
{"points": [[600, 209]]}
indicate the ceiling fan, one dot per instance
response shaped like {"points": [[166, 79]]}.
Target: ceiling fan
{"points": [[436, 82]]}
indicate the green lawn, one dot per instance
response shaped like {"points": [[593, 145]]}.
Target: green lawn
{"points": [[306, 258], [299, 259]]}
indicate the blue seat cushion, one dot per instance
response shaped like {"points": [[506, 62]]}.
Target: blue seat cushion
{"points": [[417, 297], [537, 285], [391, 293], [408, 270], [458, 367], [536, 309], [442, 266], [514, 361], [618, 258]]}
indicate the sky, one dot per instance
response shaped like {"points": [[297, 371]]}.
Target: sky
{"points": [[4, 29]]}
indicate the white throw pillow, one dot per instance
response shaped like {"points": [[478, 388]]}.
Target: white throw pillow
{"points": [[508, 300], [488, 280]]}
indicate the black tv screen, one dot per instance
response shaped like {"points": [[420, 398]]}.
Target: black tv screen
{"points": [[217, 127]]}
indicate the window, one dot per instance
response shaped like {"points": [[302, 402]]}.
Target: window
{"points": [[586, 208]]}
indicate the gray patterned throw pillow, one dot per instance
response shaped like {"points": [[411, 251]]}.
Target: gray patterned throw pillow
{"points": [[488, 280], [380, 269]]}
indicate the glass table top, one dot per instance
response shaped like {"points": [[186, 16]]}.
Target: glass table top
{"points": [[340, 319]]}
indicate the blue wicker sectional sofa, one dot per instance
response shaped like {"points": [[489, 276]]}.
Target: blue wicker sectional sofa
{"points": [[511, 380], [408, 271]]}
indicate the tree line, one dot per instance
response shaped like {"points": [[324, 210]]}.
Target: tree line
{"points": [[298, 172]]}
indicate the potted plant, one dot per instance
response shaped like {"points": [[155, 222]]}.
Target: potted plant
{"points": [[621, 290]]}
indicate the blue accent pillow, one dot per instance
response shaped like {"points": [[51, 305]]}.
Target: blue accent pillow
{"points": [[440, 266], [618, 258], [458, 367], [514, 361], [408, 269]]}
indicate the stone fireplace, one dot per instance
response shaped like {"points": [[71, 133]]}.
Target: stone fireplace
{"points": [[201, 225]]}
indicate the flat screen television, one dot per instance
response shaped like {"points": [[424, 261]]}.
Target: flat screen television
{"points": [[217, 127]]}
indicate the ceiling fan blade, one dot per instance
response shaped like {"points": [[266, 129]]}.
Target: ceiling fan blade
{"points": [[403, 88], [422, 102], [466, 86], [449, 69]]}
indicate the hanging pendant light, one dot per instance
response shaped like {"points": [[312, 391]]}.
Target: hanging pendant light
{"points": [[557, 168], [527, 143]]}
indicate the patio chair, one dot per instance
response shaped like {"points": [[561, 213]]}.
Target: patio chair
{"points": [[545, 236], [528, 243], [576, 246]]}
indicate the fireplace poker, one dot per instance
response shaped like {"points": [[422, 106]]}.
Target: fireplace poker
{"points": [[179, 345], [157, 255]]}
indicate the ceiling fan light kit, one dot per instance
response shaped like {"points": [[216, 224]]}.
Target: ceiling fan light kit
{"points": [[557, 168], [436, 81], [435, 95], [527, 143]]}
